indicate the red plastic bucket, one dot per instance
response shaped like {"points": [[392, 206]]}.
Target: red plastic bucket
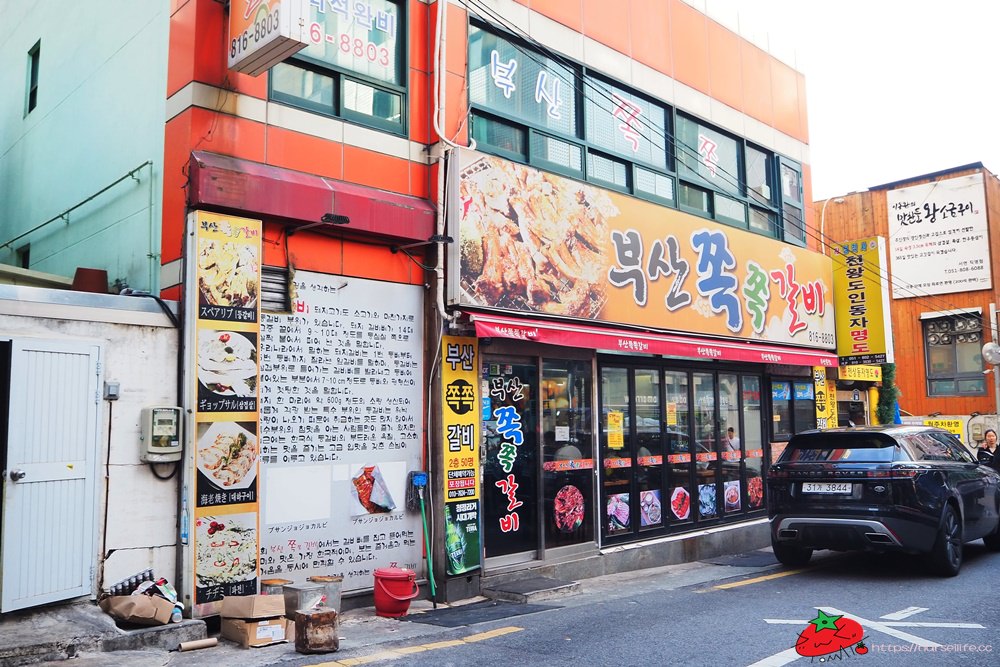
{"points": [[394, 588]]}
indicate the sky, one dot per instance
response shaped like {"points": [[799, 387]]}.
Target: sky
{"points": [[896, 88]]}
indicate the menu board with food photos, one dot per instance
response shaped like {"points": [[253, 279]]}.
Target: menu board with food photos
{"points": [[220, 523]]}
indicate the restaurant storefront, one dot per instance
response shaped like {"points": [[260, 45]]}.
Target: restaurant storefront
{"points": [[629, 359], [585, 448]]}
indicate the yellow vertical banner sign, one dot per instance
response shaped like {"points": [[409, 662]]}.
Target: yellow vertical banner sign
{"points": [[462, 408], [861, 302], [826, 399], [222, 486]]}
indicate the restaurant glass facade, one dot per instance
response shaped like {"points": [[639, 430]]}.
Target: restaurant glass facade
{"points": [[614, 448], [668, 458]]}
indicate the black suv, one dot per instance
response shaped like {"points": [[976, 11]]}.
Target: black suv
{"points": [[913, 489]]}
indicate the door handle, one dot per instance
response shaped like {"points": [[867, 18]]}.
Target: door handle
{"points": [[17, 475]]}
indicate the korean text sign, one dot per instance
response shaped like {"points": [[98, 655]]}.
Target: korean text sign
{"points": [[222, 486], [461, 406], [937, 233], [263, 33], [533, 241], [342, 408], [861, 302]]}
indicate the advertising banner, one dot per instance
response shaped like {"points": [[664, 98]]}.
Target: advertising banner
{"points": [[341, 424], [531, 241], [860, 372], [263, 33], [461, 412], [861, 302], [826, 399], [222, 484], [937, 233]]}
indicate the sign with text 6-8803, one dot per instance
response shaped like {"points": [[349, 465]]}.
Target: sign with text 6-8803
{"points": [[263, 33]]}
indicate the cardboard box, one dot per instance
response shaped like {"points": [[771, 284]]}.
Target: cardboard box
{"points": [[138, 609], [255, 633], [253, 606]]}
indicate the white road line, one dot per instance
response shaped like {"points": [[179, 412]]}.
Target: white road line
{"points": [[882, 627], [899, 624], [903, 613], [778, 659], [889, 624]]}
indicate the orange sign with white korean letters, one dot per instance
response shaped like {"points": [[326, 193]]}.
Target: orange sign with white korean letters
{"points": [[531, 241]]}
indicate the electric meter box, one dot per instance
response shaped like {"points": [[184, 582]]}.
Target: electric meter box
{"points": [[162, 435]]}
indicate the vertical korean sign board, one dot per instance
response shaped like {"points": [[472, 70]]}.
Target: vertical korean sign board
{"points": [[263, 33], [861, 302], [219, 524], [342, 409], [938, 232], [460, 425], [825, 393]]}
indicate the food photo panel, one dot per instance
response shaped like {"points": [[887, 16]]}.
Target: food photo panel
{"points": [[227, 457], [227, 371]]}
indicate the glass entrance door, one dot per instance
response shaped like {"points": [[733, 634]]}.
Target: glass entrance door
{"points": [[568, 453], [510, 460]]}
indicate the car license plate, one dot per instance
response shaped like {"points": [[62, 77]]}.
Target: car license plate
{"points": [[827, 487]]}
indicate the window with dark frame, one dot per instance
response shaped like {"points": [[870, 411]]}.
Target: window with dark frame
{"points": [[34, 61], [354, 67], [539, 110], [793, 407], [953, 354]]}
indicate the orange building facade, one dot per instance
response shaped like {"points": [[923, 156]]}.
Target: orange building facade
{"points": [[942, 282], [567, 242]]}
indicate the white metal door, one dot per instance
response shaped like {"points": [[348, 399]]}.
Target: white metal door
{"points": [[48, 486]]}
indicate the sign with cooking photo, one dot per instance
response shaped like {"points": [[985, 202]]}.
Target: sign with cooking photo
{"points": [[220, 483], [342, 411], [227, 371], [226, 555], [531, 241], [226, 458], [228, 268]]}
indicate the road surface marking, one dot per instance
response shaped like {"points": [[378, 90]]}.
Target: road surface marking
{"points": [[885, 627], [882, 627], [903, 613], [397, 653], [757, 580], [778, 659]]}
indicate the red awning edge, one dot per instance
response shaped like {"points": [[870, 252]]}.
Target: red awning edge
{"points": [[621, 340]]}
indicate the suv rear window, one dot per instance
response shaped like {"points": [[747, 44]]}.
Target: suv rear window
{"points": [[843, 447]]}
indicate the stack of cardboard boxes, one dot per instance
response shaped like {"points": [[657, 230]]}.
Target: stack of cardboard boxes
{"points": [[256, 620]]}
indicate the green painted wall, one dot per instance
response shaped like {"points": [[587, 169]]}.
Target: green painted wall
{"points": [[100, 114]]}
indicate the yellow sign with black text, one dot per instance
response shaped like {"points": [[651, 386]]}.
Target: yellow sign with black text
{"points": [[861, 302]]}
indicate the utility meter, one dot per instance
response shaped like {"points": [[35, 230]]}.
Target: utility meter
{"points": [[162, 435]]}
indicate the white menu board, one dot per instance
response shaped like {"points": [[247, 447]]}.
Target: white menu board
{"points": [[938, 238], [341, 419]]}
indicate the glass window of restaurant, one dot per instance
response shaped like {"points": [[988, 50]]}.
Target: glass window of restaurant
{"points": [[680, 448], [793, 409]]}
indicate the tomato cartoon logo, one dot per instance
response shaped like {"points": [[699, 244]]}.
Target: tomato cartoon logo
{"points": [[826, 635]]}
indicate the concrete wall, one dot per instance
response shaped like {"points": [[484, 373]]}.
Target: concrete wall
{"points": [[137, 524], [100, 114]]}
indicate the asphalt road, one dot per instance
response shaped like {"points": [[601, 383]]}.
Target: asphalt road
{"points": [[908, 617]]}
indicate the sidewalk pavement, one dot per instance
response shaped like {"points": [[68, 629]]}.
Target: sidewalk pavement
{"points": [[365, 634]]}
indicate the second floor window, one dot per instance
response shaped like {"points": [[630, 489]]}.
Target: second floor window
{"points": [[354, 66], [953, 350]]}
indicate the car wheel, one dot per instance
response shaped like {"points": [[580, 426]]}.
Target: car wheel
{"points": [[992, 541], [946, 556], [791, 555]]}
